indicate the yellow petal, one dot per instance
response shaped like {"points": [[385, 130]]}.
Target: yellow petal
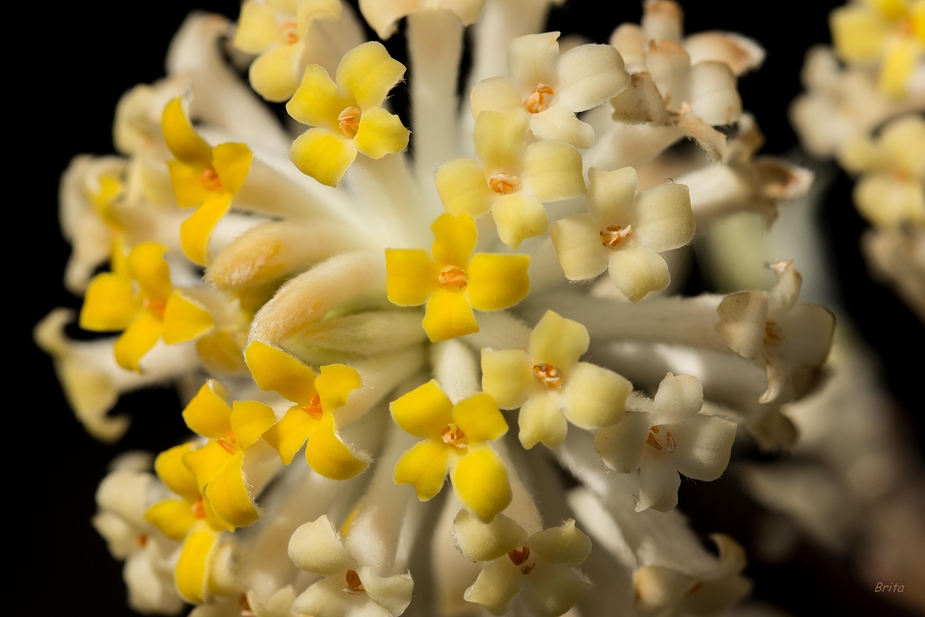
{"points": [[380, 133], [208, 414], [595, 397], [228, 496], [109, 304], [898, 64], [454, 239], [423, 412], [410, 276], [367, 73], [275, 75], [250, 420], [141, 335], [173, 472], [497, 281], [558, 341], [290, 433], [553, 170], [638, 270], [147, 267], [318, 102], [206, 462], [499, 140], [197, 229], [448, 315], [917, 17], [194, 566], [257, 29], [481, 484], [182, 140], [479, 418], [519, 217], [184, 320], [274, 369], [231, 162], [891, 9], [541, 421], [187, 183], [173, 517], [323, 155], [858, 34], [328, 455], [462, 185], [507, 375], [424, 467], [334, 384]]}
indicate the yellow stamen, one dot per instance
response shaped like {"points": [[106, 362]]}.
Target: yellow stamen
{"points": [[349, 121], [503, 183], [210, 180], [536, 102], [453, 278], [613, 235], [290, 31], [453, 435], [354, 584], [548, 375], [519, 558], [314, 407]]}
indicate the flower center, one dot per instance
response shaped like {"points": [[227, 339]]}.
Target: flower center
{"points": [[503, 183], [314, 407], [349, 121], [290, 31], [199, 510], [227, 442], [536, 102], [354, 584], [452, 435], [548, 375], [141, 540], [453, 278], [519, 558], [155, 306], [210, 181], [772, 333], [613, 235], [245, 607], [652, 440]]}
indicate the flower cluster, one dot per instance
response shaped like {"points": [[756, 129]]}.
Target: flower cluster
{"points": [[304, 331]]}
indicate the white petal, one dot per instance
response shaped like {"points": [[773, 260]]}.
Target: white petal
{"points": [[670, 67], [496, 586], [636, 271], [679, 398], [630, 41], [507, 375], [578, 244], [663, 217], [328, 598], [541, 420], [742, 320], [553, 170], [807, 334], [621, 445], [641, 102], [611, 195], [480, 541], [786, 291], [316, 547], [518, 217], [565, 544], [713, 94], [531, 60], [659, 482], [125, 493], [550, 590], [148, 591], [557, 123], [659, 591], [392, 593], [663, 20], [739, 53], [589, 75], [595, 397], [495, 94], [704, 444]]}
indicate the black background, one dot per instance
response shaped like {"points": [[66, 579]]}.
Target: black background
{"points": [[66, 82]]}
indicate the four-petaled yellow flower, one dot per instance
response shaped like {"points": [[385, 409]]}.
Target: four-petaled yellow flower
{"points": [[218, 466], [139, 298], [277, 32], [455, 439], [347, 114], [202, 176], [452, 283], [312, 418]]}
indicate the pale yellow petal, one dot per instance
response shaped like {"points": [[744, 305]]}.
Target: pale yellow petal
{"points": [[497, 281], [610, 195], [663, 217], [507, 375], [494, 94], [531, 59], [595, 397], [367, 72], [323, 155], [463, 188], [480, 483], [541, 421], [448, 315], [380, 133], [423, 412], [274, 369], [499, 140], [276, 74], [231, 162], [257, 29], [858, 33], [318, 101], [410, 276], [553, 170], [454, 239], [186, 181], [579, 246], [558, 341], [479, 418], [519, 217], [638, 271]]}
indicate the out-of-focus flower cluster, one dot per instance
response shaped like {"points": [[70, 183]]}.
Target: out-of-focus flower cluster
{"points": [[400, 305]]}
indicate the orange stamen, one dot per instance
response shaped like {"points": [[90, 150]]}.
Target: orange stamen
{"points": [[772, 333], [536, 102], [670, 441], [210, 181], [227, 442], [155, 306], [548, 375], [453, 278], [613, 235], [652, 440], [453, 435], [199, 510], [354, 584], [141, 540], [349, 121], [503, 184], [314, 408], [290, 31], [519, 558]]}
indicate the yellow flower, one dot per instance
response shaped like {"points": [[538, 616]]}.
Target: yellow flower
{"points": [[347, 114], [889, 31], [175, 517], [452, 283], [312, 417], [202, 176], [455, 439], [139, 298]]}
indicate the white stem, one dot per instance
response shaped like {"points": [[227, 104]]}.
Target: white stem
{"points": [[365, 334], [455, 369], [435, 49], [388, 186], [453, 574], [379, 375], [499, 330], [308, 297], [522, 509]]}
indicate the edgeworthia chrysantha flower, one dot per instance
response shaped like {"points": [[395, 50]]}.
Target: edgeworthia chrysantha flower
{"points": [[525, 172]]}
